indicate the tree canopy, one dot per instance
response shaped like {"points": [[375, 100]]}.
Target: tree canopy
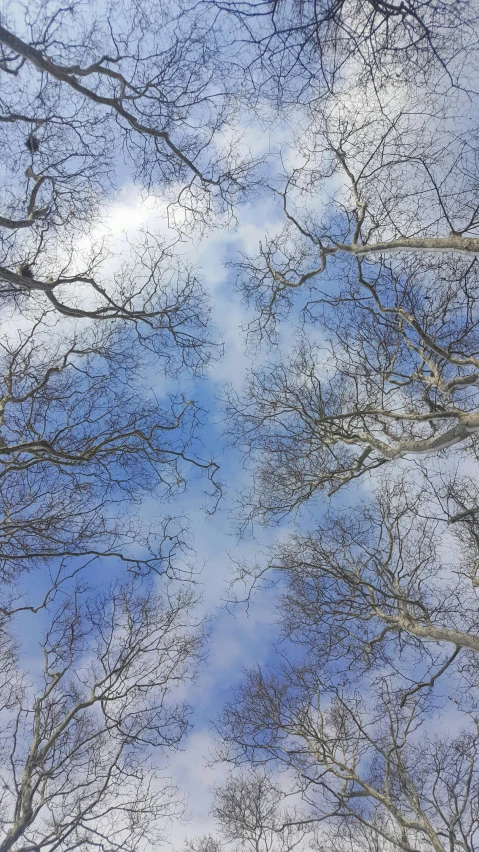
{"points": [[357, 123]]}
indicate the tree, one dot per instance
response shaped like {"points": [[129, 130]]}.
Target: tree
{"points": [[91, 331], [369, 706], [151, 290], [301, 51], [389, 583], [358, 761], [379, 247], [82, 87], [83, 439], [77, 738], [80, 425], [82, 78], [248, 811]]}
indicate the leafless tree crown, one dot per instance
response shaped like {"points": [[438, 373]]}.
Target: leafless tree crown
{"points": [[359, 421]]}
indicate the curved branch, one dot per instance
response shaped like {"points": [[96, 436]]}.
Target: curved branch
{"points": [[64, 75]]}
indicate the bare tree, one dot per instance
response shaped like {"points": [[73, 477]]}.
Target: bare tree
{"points": [[380, 246], [79, 737], [83, 438], [147, 286], [356, 758], [78, 82], [380, 251], [249, 814], [369, 707], [91, 100], [302, 51], [82, 91], [204, 843], [249, 811], [385, 583], [370, 704]]}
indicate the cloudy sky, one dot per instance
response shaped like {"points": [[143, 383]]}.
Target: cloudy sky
{"points": [[240, 634]]}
